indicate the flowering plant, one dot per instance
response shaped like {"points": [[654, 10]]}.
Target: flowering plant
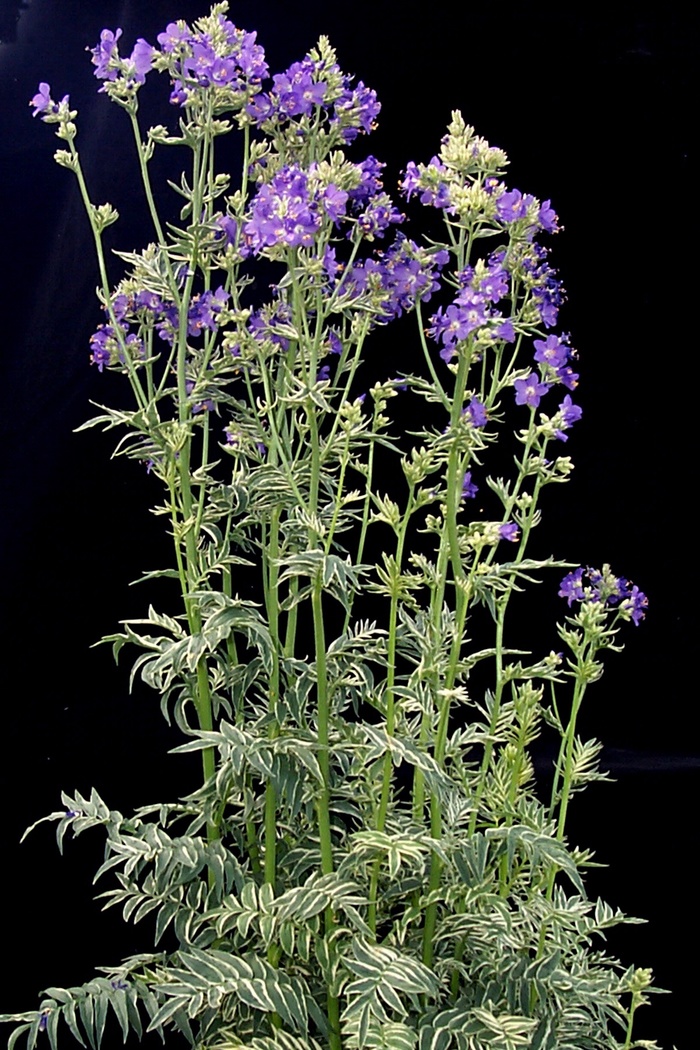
{"points": [[371, 858]]}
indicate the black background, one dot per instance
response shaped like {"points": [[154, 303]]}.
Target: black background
{"points": [[590, 105]]}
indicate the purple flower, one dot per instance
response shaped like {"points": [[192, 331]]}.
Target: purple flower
{"points": [[43, 103], [505, 331], [511, 205], [283, 212], [495, 284], [552, 351], [509, 531], [334, 201], [355, 110], [571, 586], [173, 37], [429, 182], [547, 218], [398, 277], [204, 310], [476, 413], [567, 377], [229, 228], [296, 91], [602, 587], [103, 53], [469, 489], [371, 184], [378, 215], [570, 413], [635, 604], [142, 59], [459, 320], [529, 391]]}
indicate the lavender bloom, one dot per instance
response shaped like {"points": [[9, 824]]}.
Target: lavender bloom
{"points": [[456, 324], [371, 184], [505, 331], [284, 211], [335, 345], [529, 391], [141, 59], [546, 287], [552, 351], [547, 218], [42, 101], [494, 286], [296, 93], [511, 205], [634, 605], [378, 215], [334, 201], [355, 111], [227, 58], [570, 414], [602, 587], [104, 53], [469, 489], [476, 413], [509, 531], [567, 377], [571, 587], [44, 104], [229, 228], [174, 37], [204, 310], [427, 179]]}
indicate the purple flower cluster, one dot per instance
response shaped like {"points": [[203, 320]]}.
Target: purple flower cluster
{"points": [[528, 391], [476, 413], [509, 531], [150, 310], [109, 66], [290, 210], [601, 586], [546, 287], [44, 104], [265, 325], [512, 206], [569, 414], [106, 347], [554, 354], [430, 181], [469, 489], [473, 308], [398, 278], [222, 56], [315, 84], [372, 208]]}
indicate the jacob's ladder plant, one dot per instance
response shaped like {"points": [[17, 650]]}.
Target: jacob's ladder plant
{"points": [[369, 860]]}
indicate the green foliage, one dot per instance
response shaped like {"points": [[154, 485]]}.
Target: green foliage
{"points": [[369, 861]]}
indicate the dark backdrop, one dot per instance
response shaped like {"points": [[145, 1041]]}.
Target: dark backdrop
{"points": [[589, 104]]}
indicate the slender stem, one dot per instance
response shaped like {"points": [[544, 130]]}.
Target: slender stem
{"points": [[272, 606]]}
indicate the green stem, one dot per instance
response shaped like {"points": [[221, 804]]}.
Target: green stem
{"points": [[104, 280], [272, 607]]}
